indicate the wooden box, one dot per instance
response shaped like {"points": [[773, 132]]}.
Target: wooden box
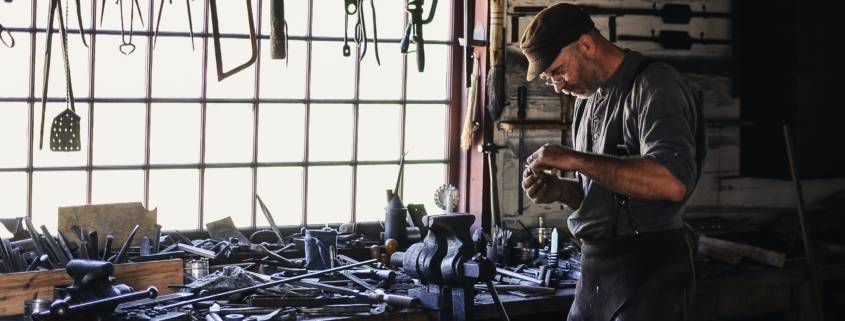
{"points": [[15, 288]]}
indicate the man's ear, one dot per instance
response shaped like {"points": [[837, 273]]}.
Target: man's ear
{"points": [[587, 45]]}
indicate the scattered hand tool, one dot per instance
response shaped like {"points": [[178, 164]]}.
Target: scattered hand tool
{"points": [[157, 239], [65, 133], [269, 216], [39, 248], [122, 254], [414, 29], [265, 285], [490, 150], [107, 248], [55, 248], [158, 22], [9, 40], [94, 246], [215, 29], [278, 30]]}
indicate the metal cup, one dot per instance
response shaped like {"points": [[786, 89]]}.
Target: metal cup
{"points": [[34, 306]]}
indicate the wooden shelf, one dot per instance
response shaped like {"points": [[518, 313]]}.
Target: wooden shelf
{"points": [[533, 125]]}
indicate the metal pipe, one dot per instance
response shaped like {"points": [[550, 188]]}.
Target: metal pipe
{"points": [[518, 276]]}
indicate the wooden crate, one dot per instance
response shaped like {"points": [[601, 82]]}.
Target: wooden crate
{"points": [[15, 288]]}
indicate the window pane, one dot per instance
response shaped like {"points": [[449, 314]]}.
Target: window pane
{"points": [[174, 133], [175, 193], [111, 16], [12, 196], [329, 18], [385, 81], [281, 131], [281, 190], [431, 83], [439, 28], [229, 133], [425, 131], [177, 70], [296, 17], [228, 192], [51, 190], [111, 186], [16, 14], [13, 127], [371, 184], [15, 64], [175, 18], [238, 85], [119, 131], [421, 181], [119, 75], [378, 132], [46, 157], [78, 57], [329, 194], [283, 78], [332, 74], [391, 21], [330, 133]]}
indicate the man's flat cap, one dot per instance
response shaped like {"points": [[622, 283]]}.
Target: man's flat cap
{"points": [[550, 31]]}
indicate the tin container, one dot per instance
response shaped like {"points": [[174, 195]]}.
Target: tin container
{"points": [[196, 269], [34, 306]]}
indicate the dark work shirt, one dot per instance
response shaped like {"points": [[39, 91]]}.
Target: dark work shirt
{"points": [[659, 120]]}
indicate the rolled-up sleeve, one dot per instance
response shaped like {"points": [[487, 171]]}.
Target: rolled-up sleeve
{"points": [[667, 130]]}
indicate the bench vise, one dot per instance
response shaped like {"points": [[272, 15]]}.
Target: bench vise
{"points": [[447, 265]]}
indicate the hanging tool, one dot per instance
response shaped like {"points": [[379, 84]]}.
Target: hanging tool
{"points": [[469, 62], [127, 47], [8, 41], [375, 31], [361, 32], [215, 29], [521, 103], [79, 21], [158, 22], [278, 30], [350, 7], [414, 29], [470, 125], [270, 220], [815, 284], [65, 133], [496, 76]]}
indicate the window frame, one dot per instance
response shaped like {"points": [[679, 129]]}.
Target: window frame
{"points": [[452, 104]]}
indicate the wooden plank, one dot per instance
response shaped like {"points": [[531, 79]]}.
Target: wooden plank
{"points": [[116, 219], [15, 288], [533, 125], [769, 257]]}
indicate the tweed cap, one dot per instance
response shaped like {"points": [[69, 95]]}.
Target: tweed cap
{"points": [[552, 29]]}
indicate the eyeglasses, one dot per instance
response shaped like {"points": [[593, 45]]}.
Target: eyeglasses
{"points": [[556, 75]]}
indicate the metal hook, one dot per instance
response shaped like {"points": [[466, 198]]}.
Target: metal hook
{"points": [[11, 42]]}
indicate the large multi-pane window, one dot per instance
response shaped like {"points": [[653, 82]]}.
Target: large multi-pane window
{"points": [[318, 136]]}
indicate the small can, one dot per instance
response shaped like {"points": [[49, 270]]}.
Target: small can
{"points": [[196, 269], [34, 306]]}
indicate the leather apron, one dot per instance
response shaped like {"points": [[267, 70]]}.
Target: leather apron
{"points": [[640, 277]]}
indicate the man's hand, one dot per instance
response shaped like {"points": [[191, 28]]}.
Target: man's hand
{"points": [[551, 156], [540, 187]]}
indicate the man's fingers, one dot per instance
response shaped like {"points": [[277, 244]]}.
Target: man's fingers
{"points": [[536, 188]]}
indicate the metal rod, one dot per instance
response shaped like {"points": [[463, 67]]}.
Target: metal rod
{"points": [[270, 220], [503, 315], [802, 219], [267, 285], [518, 276]]}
